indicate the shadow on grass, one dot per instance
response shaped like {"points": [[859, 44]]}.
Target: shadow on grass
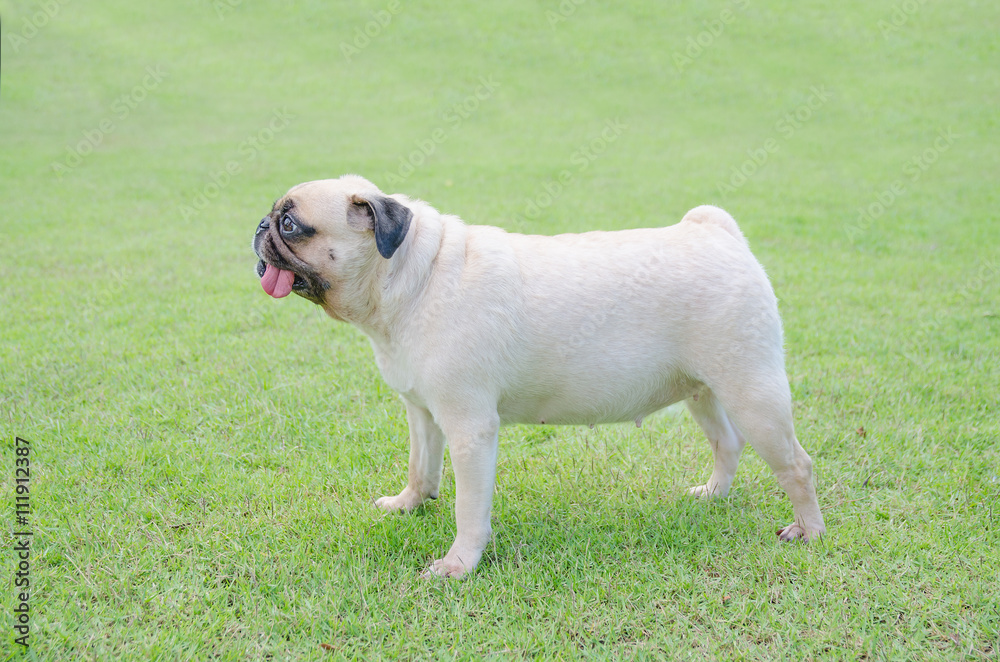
{"points": [[600, 536]]}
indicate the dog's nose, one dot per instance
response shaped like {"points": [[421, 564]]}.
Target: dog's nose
{"points": [[264, 224]]}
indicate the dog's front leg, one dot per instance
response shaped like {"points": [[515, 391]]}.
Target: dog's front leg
{"points": [[426, 462], [474, 458]]}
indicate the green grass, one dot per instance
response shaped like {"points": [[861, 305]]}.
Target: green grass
{"points": [[204, 458]]}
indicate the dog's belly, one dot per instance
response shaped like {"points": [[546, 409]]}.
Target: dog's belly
{"points": [[593, 401]]}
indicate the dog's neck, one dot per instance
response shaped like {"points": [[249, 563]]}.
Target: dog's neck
{"points": [[391, 294]]}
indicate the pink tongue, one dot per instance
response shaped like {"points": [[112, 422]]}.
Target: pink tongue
{"points": [[277, 282]]}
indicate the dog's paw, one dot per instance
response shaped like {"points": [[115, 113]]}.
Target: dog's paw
{"points": [[403, 502], [706, 492], [445, 569], [796, 531]]}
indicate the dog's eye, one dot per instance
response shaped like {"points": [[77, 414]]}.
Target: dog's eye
{"points": [[287, 224]]}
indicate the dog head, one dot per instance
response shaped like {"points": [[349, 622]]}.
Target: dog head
{"points": [[328, 241]]}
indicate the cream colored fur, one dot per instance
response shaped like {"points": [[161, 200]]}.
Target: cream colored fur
{"points": [[476, 327]]}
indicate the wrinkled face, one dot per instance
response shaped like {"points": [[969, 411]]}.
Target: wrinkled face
{"points": [[322, 239]]}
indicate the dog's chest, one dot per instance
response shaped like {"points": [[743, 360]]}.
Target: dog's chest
{"points": [[397, 372]]}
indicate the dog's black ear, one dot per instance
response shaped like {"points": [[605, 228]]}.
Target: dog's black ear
{"points": [[389, 219]]}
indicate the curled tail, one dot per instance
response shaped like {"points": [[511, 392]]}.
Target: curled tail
{"points": [[711, 215]]}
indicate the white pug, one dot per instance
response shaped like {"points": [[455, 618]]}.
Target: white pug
{"points": [[476, 327]]}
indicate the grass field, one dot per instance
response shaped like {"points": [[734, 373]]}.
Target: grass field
{"points": [[204, 458]]}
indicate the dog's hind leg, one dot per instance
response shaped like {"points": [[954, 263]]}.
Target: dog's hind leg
{"points": [[727, 443], [761, 409]]}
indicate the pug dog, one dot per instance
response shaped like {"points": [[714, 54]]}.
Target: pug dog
{"points": [[476, 327]]}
